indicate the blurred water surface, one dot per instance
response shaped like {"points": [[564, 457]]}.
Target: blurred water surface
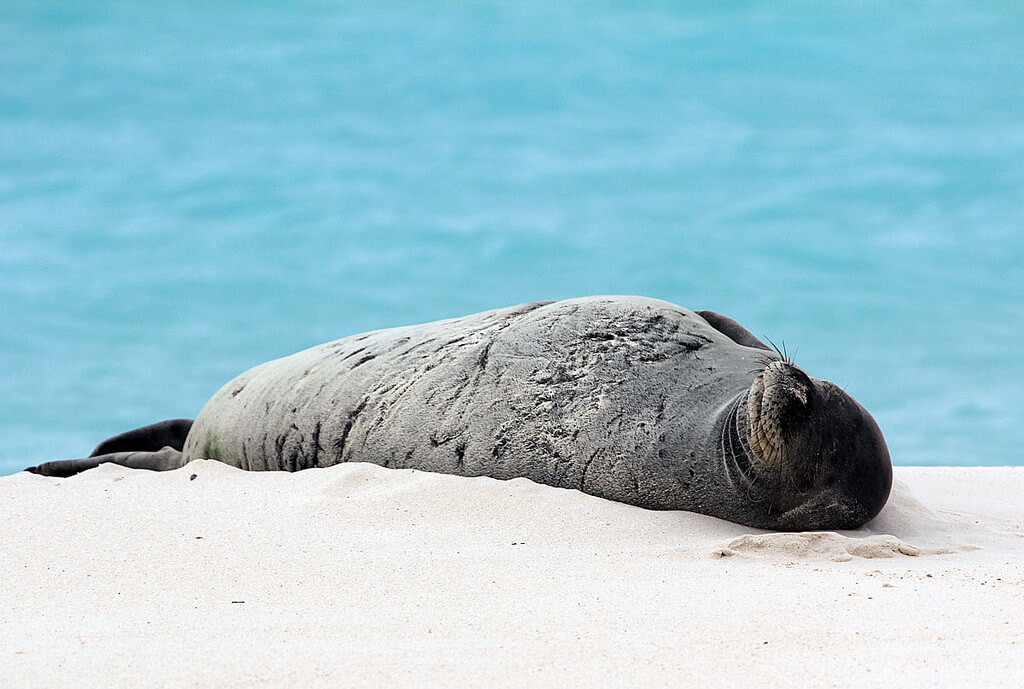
{"points": [[188, 189]]}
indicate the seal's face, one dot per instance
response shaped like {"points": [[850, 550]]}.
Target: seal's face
{"points": [[817, 455]]}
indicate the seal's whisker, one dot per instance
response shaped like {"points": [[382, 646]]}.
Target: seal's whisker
{"points": [[751, 476], [781, 352], [731, 427], [725, 455], [732, 430]]}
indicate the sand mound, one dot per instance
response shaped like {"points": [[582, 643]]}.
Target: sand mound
{"points": [[904, 518], [822, 544]]}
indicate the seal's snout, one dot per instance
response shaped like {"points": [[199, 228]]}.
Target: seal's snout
{"points": [[776, 406]]}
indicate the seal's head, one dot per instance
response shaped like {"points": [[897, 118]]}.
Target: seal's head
{"points": [[815, 456]]}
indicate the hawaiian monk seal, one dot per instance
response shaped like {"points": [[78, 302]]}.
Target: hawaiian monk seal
{"points": [[627, 398]]}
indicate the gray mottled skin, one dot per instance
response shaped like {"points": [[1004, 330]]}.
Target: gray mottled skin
{"points": [[610, 396], [627, 398]]}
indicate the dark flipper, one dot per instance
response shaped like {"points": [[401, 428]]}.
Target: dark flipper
{"points": [[161, 460], [733, 330], [150, 438], [157, 447]]}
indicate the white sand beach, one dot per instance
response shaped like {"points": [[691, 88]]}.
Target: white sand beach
{"points": [[361, 576]]}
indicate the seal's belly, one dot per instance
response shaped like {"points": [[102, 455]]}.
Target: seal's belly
{"points": [[601, 394]]}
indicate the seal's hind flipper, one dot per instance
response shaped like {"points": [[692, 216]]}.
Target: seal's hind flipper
{"points": [[171, 433], [733, 330], [157, 447], [164, 459]]}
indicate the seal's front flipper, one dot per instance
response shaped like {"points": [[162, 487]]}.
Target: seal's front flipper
{"points": [[162, 460], [733, 330], [149, 438]]}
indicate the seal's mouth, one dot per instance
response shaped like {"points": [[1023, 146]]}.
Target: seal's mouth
{"points": [[777, 398]]}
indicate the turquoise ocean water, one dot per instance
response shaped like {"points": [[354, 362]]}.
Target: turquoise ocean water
{"points": [[188, 189]]}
